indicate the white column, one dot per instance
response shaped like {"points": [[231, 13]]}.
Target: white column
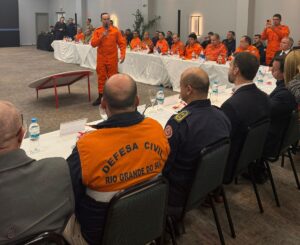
{"points": [[80, 10], [242, 15]]}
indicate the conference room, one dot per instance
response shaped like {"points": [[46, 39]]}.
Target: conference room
{"points": [[149, 122]]}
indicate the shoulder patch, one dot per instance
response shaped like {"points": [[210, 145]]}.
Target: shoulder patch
{"points": [[181, 115]]}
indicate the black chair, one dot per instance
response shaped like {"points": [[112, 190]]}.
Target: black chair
{"points": [[251, 152], [47, 238], [137, 215], [208, 177], [290, 137]]}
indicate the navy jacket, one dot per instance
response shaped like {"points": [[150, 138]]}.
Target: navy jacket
{"points": [[282, 105], [198, 125], [245, 107]]}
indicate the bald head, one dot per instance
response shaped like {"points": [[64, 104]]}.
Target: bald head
{"points": [[120, 93], [10, 125], [194, 84]]}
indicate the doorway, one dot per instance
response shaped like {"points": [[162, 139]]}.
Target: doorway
{"points": [[41, 23]]}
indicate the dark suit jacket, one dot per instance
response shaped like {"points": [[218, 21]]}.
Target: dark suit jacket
{"points": [[277, 54], [282, 104], [246, 106]]}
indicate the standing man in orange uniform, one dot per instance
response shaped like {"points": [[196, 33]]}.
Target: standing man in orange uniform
{"points": [[193, 49], [215, 50], [273, 33], [107, 39]]}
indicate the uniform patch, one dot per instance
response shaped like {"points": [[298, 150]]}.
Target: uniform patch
{"points": [[168, 131], [181, 115]]}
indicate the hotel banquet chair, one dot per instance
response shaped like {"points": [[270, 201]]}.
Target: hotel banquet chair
{"points": [[137, 215], [47, 238], [208, 177], [252, 152], [291, 136]]}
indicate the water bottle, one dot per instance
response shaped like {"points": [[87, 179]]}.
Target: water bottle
{"points": [[34, 136], [202, 56], [215, 90], [160, 97], [193, 56]]}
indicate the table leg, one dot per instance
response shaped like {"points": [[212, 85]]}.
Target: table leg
{"points": [[89, 87], [55, 91], [69, 89]]}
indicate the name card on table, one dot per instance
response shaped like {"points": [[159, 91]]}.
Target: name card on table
{"points": [[72, 127]]}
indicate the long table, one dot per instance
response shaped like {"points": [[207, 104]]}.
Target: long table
{"points": [[148, 68], [54, 145]]}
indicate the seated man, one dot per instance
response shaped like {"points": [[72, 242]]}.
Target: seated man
{"points": [[177, 47], [169, 38], [147, 43], [282, 104], [286, 46], [118, 155], [36, 196], [229, 42], [198, 125], [136, 42], [216, 49], [258, 43], [245, 46], [79, 37], [193, 49], [162, 45], [207, 40], [246, 106]]}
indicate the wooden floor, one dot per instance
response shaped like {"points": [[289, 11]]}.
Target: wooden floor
{"points": [[19, 66]]}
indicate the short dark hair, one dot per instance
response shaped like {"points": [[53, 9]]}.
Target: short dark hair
{"points": [[281, 60], [277, 15], [257, 35], [233, 33], [103, 14], [89, 19], [248, 39], [162, 33], [118, 104], [210, 33], [248, 65], [193, 35]]}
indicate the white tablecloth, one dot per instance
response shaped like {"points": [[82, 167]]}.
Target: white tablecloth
{"points": [[146, 68]]}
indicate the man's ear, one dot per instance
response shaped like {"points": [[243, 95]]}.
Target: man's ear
{"points": [[189, 89], [236, 70], [21, 135], [137, 101]]}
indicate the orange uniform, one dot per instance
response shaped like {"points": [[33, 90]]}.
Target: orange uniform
{"points": [[127, 161], [196, 48], [163, 46], [135, 43], [178, 48], [107, 53], [274, 36], [213, 52], [79, 37], [147, 42], [251, 49]]}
